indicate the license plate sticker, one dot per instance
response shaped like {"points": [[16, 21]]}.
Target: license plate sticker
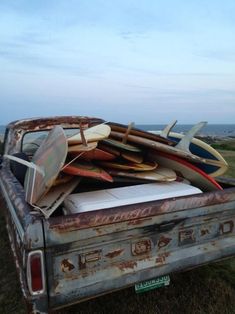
{"points": [[152, 284]]}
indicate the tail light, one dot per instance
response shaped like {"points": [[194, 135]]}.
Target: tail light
{"points": [[35, 272]]}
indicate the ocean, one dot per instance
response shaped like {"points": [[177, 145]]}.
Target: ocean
{"points": [[217, 130]]}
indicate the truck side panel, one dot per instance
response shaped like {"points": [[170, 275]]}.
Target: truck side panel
{"points": [[90, 260]]}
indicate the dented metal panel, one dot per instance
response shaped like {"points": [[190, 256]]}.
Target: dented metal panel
{"points": [[158, 215], [129, 244], [97, 252], [109, 263], [17, 129]]}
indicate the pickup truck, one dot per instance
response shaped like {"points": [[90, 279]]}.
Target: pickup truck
{"points": [[66, 259]]}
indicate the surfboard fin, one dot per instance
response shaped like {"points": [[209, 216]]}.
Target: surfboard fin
{"points": [[84, 141], [130, 126], [165, 132], [186, 140]]}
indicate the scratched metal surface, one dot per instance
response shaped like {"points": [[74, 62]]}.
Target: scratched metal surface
{"points": [[17, 129], [98, 252], [25, 228]]}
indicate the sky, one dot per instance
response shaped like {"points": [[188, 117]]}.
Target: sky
{"points": [[125, 61]]}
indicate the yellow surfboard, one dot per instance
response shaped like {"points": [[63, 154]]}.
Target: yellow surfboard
{"points": [[93, 134]]}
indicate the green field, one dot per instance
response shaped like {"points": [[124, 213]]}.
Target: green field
{"points": [[208, 289]]}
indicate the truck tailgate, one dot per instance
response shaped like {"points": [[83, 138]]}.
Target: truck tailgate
{"points": [[93, 253]]}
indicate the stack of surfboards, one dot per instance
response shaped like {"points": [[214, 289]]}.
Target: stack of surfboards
{"points": [[117, 152], [113, 152]]}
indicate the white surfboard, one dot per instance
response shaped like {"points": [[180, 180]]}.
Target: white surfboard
{"points": [[197, 146], [189, 143], [109, 198], [93, 134], [55, 196]]}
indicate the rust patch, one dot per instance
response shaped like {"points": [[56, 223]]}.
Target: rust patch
{"points": [[66, 266], [186, 236], [163, 241], [135, 212], [161, 259], [137, 222], [126, 265], [141, 247], [204, 232], [114, 253]]}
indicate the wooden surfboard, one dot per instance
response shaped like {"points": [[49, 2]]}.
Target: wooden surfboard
{"points": [[82, 148], [133, 157], [92, 134], [147, 166], [187, 170], [87, 169], [61, 179], [110, 149], [166, 148], [121, 146], [48, 159], [95, 154], [160, 174], [134, 131], [128, 155], [54, 198]]}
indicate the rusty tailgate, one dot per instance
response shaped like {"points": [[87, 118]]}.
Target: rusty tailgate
{"points": [[97, 252]]}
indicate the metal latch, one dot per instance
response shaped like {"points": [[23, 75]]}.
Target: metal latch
{"points": [[226, 227], [89, 257]]}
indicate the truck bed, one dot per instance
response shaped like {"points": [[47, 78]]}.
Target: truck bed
{"points": [[89, 253]]}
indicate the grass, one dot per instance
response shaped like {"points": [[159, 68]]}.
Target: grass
{"points": [[208, 289], [11, 300], [225, 145]]}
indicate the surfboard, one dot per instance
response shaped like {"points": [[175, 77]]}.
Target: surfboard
{"points": [[61, 179], [54, 198], [167, 149], [128, 155], [188, 142], [92, 134], [147, 166], [138, 132], [120, 145], [133, 157], [160, 174], [48, 161], [135, 194], [95, 154], [87, 169], [187, 170], [202, 149], [82, 148], [110, 149]]}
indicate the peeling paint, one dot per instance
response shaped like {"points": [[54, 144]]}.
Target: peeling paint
{"points": [[163, 241], [114, 253], [127, 265], [66, 266]]}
